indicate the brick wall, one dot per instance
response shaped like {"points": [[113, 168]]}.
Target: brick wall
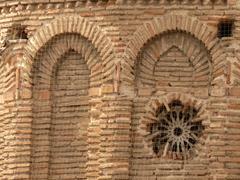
{"points": [[77, 96]]}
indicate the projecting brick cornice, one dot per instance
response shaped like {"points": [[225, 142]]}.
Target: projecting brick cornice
{"points": [[10, 6], [171, 23]]}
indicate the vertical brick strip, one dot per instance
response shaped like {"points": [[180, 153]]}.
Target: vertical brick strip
{"points": [[3, 113], [17, 128], [93, 140], [115, 123]]}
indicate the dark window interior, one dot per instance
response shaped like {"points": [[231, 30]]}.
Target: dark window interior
{"points": [[225, 28], [18, 32]]}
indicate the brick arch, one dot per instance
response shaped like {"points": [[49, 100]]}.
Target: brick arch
{"points": [[71, 24], [159, 25], [59, 45], [190, 60], [49, 97]]}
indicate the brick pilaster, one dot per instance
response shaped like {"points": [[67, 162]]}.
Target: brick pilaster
{"points": [[115, 144]]}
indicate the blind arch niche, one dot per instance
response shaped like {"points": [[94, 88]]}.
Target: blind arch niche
{"points": [[174, 59], [62, 79]]}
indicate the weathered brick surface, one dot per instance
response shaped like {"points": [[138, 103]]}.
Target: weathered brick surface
{"points": [[115, 137], [74, 95], [183, 62], [68, 151]]}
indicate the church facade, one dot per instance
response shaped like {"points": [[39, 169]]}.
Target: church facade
{"points": [[120, 89]]}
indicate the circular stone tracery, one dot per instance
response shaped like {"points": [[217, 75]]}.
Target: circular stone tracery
{"points": [[175, 131]]}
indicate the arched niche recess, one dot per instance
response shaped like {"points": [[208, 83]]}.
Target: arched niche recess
{"points": [[162, 27], [64, 70], [174, 59]]}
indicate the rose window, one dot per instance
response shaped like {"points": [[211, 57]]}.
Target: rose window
{"points": [[176, 130]]}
